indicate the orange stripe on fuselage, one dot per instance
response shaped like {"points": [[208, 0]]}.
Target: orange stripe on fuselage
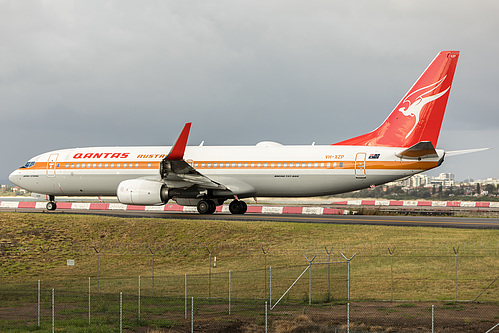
{"points": [[247, 165]]}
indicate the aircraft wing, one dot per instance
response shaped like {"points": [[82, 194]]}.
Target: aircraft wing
{"points": [[175, 171]]}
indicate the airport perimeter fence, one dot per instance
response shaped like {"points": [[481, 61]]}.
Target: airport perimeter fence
{"points": [[308, 288], [70, 309]]}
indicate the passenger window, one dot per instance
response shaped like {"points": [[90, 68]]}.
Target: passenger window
{"points": [[67, 165], [72, 165], [334, 164], [124, 165], [238, 165], [258, 165], [316, 165], [303, 165], [252, 165], [118, 165], [328, 165], [215, 165], [112, 165], [245, 165], [202, 165], [83, 165], [105, 165], [195, 165], [100, 165], [233, 165], [341, 164], [278, 165], [209, 165], [265, 164], [94, 165], [148, 165], [136, 165], [322, 165], [272, 165]]}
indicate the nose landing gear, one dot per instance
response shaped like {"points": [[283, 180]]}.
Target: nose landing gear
{"points": [[51, 205]]}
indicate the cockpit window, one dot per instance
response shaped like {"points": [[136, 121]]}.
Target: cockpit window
{"points": [[28, 165]]}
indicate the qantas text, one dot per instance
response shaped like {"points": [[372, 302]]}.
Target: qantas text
{"points": [[101, 155]]}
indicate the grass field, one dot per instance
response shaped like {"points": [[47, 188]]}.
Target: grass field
{"points": [[423, 261]]}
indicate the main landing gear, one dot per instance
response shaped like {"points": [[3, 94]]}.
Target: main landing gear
{"points": [[51, 205], [238, 207], [208, 207]]}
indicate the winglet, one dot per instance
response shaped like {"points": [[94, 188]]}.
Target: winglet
{"points": [[177, 151]]}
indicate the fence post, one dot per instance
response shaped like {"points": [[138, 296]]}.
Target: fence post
{"points": [[391, 272], [348, 273], [229, 291], [53, 311], [456, 251], [121, 312], [348, 317], [38, 303], [89, 301], [310, 279], [265, 253], [266, 316], [192, 315], [139, 298], [432, 318], [328, 272], [185, 294]]}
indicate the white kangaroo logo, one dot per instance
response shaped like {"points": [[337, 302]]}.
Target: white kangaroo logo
{"points": [[414, 109]]}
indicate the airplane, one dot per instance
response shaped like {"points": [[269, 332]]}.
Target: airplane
{"points": [[207, 176]]}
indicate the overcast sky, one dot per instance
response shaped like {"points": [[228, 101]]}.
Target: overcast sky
{"points": [[99, 73]]}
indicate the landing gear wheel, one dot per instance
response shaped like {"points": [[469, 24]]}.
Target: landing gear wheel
{"points": [[51, 205], [238, 207], [206, 207], [213, 206]]}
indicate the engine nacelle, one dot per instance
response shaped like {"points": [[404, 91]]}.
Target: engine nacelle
{"points": [[142, 192]]}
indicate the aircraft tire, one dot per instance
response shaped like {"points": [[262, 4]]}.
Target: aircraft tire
{"points": [[206, 207], [213, 206], [238, 207], [51, 205]]}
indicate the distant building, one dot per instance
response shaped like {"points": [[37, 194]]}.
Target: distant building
{"points": [[444, 180]]}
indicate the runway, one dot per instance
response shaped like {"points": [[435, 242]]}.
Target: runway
{"points": [[408, 221]]}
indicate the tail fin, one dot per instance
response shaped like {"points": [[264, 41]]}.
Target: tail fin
{"points": [[418, 116]]}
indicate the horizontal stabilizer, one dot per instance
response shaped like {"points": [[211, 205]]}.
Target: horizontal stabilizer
{"points": [[464, 151], [423, 149]]}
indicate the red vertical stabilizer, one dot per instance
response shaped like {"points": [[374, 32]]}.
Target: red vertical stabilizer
{"points": [[418, 117]]}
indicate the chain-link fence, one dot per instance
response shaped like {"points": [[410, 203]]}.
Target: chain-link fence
{"points": [[69, 309], [288, 289]]}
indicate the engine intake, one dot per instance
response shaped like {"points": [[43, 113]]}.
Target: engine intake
{"points": [[142, 192]]}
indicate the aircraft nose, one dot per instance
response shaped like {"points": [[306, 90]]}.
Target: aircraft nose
{"points": [[13, 177]]}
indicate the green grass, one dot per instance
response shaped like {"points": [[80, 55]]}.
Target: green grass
{"points": [[423, 259]]}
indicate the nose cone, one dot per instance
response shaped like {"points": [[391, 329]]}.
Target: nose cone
{"points": [[13, 177]]}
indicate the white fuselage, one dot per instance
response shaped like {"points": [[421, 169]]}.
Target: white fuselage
{"points": [[266, 170]]}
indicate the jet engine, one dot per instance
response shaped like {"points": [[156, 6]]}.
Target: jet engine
{"points": [[142, 192]]}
